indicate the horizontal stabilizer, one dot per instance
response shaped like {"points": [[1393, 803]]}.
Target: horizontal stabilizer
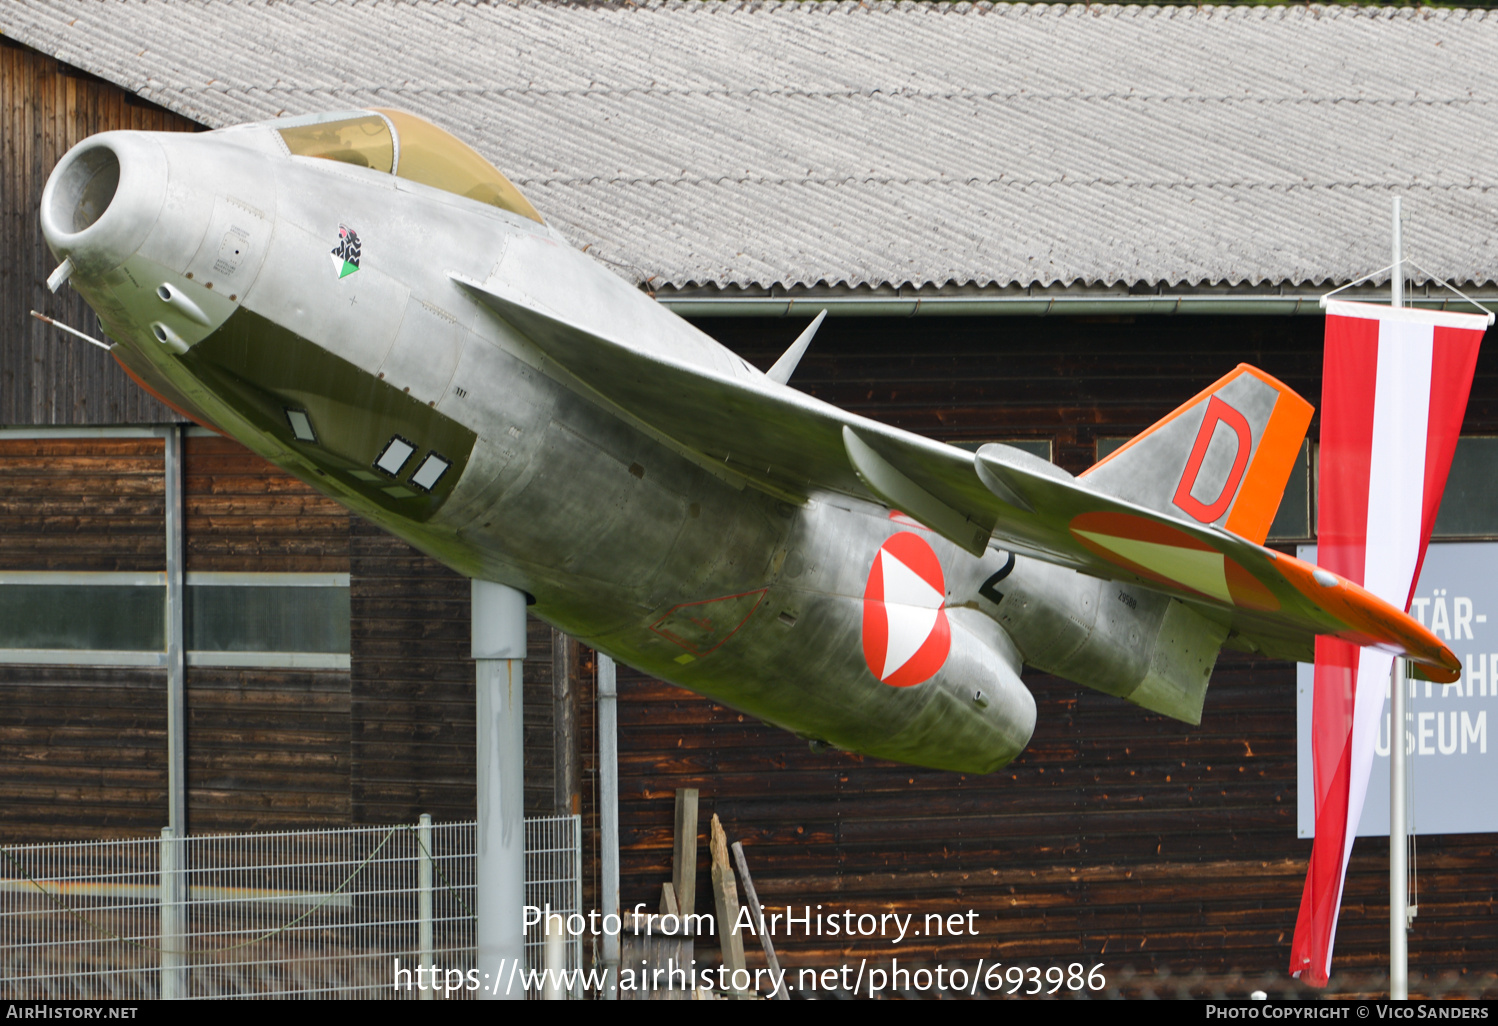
{"points": [[1254, 590]]}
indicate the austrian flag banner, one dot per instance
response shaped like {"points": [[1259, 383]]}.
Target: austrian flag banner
{"points": [[1393, 393]]}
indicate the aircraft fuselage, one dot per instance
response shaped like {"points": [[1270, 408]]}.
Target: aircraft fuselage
{"points": [[315, 311]]}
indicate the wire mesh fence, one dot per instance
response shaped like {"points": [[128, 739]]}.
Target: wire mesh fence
{"points": [[327, 913], [332, 913]]}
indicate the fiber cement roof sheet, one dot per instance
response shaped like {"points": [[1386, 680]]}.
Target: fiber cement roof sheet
{"points": [[769, 144]]}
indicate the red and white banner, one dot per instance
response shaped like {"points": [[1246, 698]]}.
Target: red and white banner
{"points": [[1393, 393]]}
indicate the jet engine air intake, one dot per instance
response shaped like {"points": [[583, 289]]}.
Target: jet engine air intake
{"points": [[103, 200], [85, 188]]}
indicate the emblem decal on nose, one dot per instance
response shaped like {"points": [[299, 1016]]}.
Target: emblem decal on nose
{"points": [[346, 254], [906, 636]]}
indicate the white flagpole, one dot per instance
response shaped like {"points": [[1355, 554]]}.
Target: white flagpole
{"points": [[1399, 974], [1399, 971]]}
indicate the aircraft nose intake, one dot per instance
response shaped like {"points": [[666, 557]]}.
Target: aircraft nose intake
{"points": [[85, 188], [103, 199]]}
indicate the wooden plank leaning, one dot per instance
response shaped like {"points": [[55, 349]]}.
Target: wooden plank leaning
{"points": [[684, 851], [765, 941], [726, 899]]}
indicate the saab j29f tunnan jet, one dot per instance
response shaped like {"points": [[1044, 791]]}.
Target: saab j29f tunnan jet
{"points": [[366, 302]]}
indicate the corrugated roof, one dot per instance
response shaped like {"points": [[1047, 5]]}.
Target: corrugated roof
{"points": [[769, 144]]}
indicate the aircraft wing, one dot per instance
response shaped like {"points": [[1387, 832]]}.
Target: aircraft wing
{"points": [[1002, 496], [764, 431]]}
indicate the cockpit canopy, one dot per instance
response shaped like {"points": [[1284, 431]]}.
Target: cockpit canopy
{"points": [[406, 146]]}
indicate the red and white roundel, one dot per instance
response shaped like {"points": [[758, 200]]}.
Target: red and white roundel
{"points": [[906, 636]]}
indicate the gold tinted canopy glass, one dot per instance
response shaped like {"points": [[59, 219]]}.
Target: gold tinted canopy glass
{"points": [[433, 157], [418, 151], [364, 140]]}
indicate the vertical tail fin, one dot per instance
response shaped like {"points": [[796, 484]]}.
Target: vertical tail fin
{"points": [[1222, 458]]}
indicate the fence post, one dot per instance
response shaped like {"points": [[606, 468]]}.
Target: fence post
{"points": [[553, 958], [424, 902], [173, 974], [576, 943]]}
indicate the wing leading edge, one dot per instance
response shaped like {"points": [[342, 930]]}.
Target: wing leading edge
{"points": [[797, 445]]}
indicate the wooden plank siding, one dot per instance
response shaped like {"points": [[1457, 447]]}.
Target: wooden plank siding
{"points": [[46, 377], [84, 748], [413, 709], [82, 504], [82, 753], [267, 749], [1118, 837], [244, 515]]}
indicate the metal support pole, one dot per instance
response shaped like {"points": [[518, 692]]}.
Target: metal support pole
{"points": [[424, 902], [173, 985], [608, 799], [1396, 274], [499, 651], [176, 660], [1399, 972]]}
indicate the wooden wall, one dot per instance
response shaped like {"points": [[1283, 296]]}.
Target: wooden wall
{"points": [[83, 749], [82, 504], [244, 515], [45, 376], [266, 748], [412, 718]]}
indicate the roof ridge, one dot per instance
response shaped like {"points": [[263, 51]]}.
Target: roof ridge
{"points": [[850, 93], [1068, 181], [1286, 8]]}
